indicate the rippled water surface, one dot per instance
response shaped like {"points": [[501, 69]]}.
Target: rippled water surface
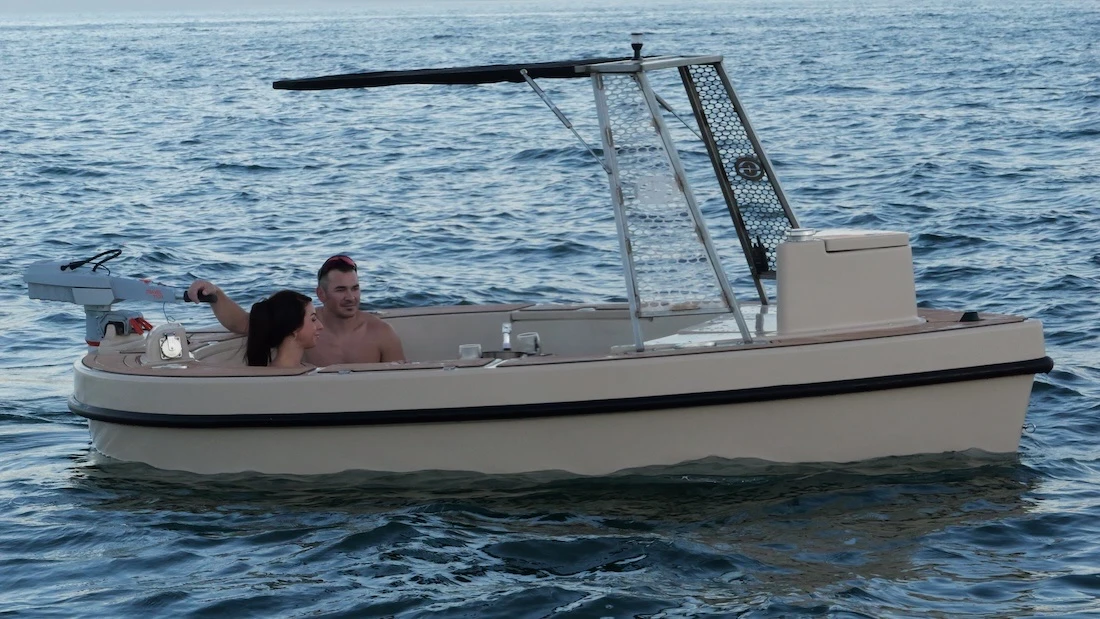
{"points": [[976, 127]]}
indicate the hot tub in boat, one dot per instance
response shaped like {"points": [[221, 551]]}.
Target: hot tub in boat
{"points": [[839, 365]]}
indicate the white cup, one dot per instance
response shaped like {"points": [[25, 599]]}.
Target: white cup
{"points": [[469, 351], [528, 343]]}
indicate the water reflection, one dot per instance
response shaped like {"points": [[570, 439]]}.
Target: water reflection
{"points": [[798, 526]]}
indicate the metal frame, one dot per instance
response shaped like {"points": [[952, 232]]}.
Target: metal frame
{"points": [[652, 63], [693, 207], [612, 163], [637, 70]]}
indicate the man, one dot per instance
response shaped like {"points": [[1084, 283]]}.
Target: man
{"points": [[350, 335]]}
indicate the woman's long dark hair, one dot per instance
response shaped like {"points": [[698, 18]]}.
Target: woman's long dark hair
{"points": [[271, 321]]}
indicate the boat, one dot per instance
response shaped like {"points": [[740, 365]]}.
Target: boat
{"points": [[831, 361]]}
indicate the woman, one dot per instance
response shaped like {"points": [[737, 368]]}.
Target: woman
{"points": [[286, 323]]}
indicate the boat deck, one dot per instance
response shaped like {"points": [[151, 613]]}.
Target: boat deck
{"points": [[216, 351]]}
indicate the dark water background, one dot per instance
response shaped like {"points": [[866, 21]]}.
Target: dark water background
{"points": [[974, 126]]}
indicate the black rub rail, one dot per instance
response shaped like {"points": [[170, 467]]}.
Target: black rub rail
{"points": [[562, 409]]}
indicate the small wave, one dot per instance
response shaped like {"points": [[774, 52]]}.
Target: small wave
{"points": [[1083, 133], [71, 172], [1071, 283], [941, 241], [244, 167], [554, 250], [573, 557], [541, 154]]}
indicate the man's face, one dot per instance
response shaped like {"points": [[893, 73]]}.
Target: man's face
{"points": [[340, 293]]}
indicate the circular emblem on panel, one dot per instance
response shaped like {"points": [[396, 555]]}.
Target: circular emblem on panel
{"points": [[748, 168]]}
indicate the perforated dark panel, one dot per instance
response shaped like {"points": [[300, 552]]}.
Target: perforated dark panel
{"points": [[753, 196]]}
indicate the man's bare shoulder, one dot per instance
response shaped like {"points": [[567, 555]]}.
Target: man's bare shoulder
{"points": [[383, 335], [372, 321]]}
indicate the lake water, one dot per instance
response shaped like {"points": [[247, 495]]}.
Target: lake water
{"points": [[974, 126]]}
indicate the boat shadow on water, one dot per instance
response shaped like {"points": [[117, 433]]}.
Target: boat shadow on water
{"points": [[687, 493], [749, 525]]}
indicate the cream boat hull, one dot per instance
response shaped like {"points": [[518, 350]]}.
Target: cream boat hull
{"points": [[817, 401]]}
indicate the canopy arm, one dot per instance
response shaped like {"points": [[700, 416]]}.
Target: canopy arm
{"points": [[562, 117], [485, 74]]}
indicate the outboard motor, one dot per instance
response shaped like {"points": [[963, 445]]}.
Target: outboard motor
{"points": [[87, 282]]}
